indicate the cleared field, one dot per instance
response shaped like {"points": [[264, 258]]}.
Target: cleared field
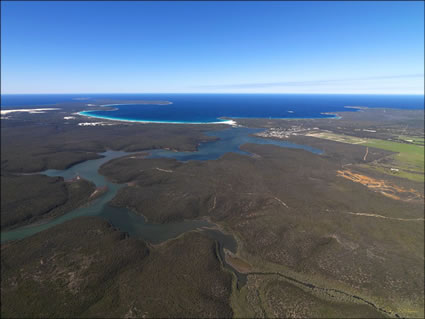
{"points": [[338, 137], [408, 163], [419, 140], [410, 158]]}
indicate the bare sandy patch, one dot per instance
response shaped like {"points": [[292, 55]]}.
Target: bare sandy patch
{"points": [[32, 111], [381, 186]]}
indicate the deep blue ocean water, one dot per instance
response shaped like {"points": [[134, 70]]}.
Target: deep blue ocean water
{"points": [[211, 107]]}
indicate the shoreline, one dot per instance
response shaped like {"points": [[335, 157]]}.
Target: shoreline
{"points": [[83, 113], [227, 122]]}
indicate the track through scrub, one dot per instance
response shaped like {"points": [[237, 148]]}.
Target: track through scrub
{"points": [[328, 291]]}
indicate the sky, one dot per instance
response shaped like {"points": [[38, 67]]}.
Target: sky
{"points": [[212, 47]]}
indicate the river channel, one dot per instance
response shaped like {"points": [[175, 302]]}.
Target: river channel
{"points": [[135, 225]]}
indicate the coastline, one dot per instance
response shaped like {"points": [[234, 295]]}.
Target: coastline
{"points": [[84, 113], [227, 122], [334, 116]]}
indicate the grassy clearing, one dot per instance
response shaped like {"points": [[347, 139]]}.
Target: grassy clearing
{"points": [[419, 140], [409, 160], [338, 137], [386, 169]]}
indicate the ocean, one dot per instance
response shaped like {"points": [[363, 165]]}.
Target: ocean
{"points": [[207, 108]]}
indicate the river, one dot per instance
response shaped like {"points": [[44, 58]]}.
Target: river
{"points": [[135, 225]]}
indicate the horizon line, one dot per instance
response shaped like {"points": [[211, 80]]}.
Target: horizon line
{"points": [[318, 93]]}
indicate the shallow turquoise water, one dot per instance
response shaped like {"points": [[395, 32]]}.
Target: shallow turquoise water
{"points": [[121, 218], [135, 225], [213, 108], [230, 141]]}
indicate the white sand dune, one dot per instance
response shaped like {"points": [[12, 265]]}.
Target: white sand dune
{"points": [[32, 111]]}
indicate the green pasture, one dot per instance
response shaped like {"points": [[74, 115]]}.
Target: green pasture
{"points": [[410, 157]]}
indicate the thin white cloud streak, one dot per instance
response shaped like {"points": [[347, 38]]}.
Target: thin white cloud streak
{"points": [[308, 83]]}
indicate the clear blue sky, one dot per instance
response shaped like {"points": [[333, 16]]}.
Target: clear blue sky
{"points": [[240, 47]]}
